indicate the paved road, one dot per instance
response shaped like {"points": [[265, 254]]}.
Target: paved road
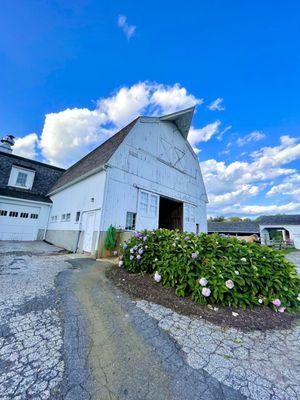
{"points": [[67, 333], [128, 355]]}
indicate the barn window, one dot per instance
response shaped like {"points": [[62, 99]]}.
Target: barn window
{"points": [[77, 218], [148, 204], [144, 202], [3, 213], [68, 217], [63, 217], [130, 221], [13, 213], [153, 205], [34, 216]]}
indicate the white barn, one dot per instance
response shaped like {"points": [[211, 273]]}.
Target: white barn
{"points": [[146, 176]]}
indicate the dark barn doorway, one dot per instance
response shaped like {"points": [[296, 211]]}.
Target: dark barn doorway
{"points": [[170, 214]]}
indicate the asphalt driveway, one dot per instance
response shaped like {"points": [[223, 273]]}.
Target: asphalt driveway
{"points": [[67, 333]]}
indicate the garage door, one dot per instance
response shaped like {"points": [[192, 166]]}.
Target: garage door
{"points": [[18, 222]]}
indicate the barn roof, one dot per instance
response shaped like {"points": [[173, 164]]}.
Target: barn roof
{"points": [[182, 119], [233, 227], [280, 220], [94, 160], [97, 158]]}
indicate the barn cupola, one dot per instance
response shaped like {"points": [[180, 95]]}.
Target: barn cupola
{"points": [[6, 144]]}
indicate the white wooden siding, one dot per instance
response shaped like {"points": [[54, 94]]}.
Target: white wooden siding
{"points": [[156, 158]]}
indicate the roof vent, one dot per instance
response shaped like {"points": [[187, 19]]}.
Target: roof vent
{"points": [[6, 144]]}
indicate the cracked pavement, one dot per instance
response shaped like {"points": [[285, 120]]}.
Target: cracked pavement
{"points": [[67, 333], [31, 363]]}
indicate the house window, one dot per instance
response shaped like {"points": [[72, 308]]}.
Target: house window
{"points": [[63, 217], [68, 217], [130, 221], [3, 213], [190, 213], [13, 214], [77, 218], [148, 204], [23, 215], [21, 179], [34, 216]]}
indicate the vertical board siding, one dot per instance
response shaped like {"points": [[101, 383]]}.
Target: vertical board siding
{"points": [[154, 157]]}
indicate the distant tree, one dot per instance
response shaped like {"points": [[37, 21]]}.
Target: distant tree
{"points": [[217, 219], [238, 219]]}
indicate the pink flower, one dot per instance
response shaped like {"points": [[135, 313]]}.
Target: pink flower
{"points": [[282, 309], [157, 277], [229, 284], [276, 302], [206, 292]]}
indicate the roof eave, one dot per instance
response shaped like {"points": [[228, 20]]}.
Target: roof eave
{"points": [[182, 120]]}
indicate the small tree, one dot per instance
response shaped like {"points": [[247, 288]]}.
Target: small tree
{"points": [[110, 239]]}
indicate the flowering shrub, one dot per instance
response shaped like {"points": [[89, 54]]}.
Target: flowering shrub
{"points": [[214, 269]]}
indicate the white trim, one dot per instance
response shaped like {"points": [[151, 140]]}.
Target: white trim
{"points": [[25, 200]]}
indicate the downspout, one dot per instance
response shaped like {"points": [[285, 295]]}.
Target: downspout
{"points": [[46, 228]]}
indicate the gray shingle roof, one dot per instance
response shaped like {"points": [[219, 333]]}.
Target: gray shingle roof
{"points": [[279, 219], [22, 194], [94, 159], [233, 227]]}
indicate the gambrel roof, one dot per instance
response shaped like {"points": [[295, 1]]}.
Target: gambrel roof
{"points": [[96, 159]]}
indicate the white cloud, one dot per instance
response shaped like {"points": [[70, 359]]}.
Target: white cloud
{"points": [[203, 134], [26, 146], [126, 104], [128, 30], [216, 105], [235, 182], [290, 186], [244, 192], [222, 133], [286, 152], [70, 134], [262, 209], [173, 98], [254, 136]]}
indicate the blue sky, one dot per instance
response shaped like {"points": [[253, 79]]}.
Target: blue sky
{"points": [[73, 72]]}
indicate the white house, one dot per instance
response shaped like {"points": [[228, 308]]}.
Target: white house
{"points": [[146, 176]]}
